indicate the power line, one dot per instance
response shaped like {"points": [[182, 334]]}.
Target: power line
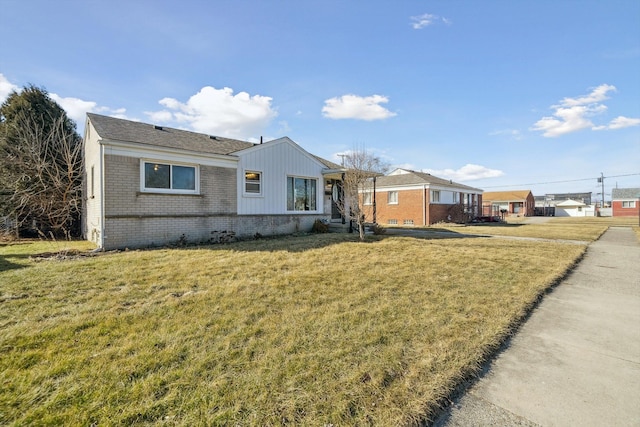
{"points": [[562, 182]]}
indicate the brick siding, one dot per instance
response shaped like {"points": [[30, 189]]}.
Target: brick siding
{"points": [[136, 219]]}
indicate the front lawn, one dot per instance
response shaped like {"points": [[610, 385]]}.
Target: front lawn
{"points": [[307, 330]]}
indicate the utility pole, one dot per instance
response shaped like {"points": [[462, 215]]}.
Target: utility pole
{"points": [[602, 180]]}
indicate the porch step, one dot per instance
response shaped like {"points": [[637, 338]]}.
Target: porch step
{"points": [[337, 227]]}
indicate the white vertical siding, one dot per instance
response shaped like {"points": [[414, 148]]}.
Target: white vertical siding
{"points": [[276, 160], [92, 218]]}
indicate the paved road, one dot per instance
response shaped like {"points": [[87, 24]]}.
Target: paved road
{"points": [[576, 361]]}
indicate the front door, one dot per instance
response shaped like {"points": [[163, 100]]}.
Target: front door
{"points": [[336, 200]]}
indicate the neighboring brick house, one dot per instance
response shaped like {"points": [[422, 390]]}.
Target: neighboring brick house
{"points": [[625, 202], [517, 203], [406, 197], [149, 185]]}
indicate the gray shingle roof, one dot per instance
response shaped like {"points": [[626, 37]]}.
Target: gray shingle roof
{"points": [[625, 193], [144, 133], [413, 177], [327, 163]]}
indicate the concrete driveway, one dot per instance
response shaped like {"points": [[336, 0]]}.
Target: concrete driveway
{"points": [[576, 360]]}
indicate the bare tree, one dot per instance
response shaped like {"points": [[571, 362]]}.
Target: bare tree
{"points": [[361, 168], [44, 166]]}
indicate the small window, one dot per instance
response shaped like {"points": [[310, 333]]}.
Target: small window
{"points": [[392, 197], [168, 178], [393, 222], [366, 198], [408, 222], [435, 196], [629, 204], [252, 182]]}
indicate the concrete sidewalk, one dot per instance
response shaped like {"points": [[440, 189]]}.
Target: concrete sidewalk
{"points": [[576, 361]]}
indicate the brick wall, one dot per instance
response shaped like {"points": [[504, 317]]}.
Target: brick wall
{"points": [[123, 197], [618, 210], [135, 219], [409, 207], [132, 232]]}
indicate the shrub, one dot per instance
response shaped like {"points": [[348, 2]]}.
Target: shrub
{"points": [[320, 226]]}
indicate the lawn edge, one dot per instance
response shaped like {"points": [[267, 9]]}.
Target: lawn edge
{"points": [[443, 406]]}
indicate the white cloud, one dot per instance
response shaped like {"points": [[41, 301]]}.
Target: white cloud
{"points": [[598, 94], [6, 87], [619, 122], [420, 21], [219, 112], [573, 114], [513, 133], [357, 107], [467, 172], [76, 108]]}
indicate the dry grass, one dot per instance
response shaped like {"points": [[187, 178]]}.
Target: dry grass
{"points": [[310, 330], [581, 229]]}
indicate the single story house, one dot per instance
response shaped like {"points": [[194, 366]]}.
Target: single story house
{"points": [[148, 185], [407, 197], [546, 205], [516, 203], [574, 208], [625, 202]]}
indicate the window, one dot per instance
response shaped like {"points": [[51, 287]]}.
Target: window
{"points": [[252, 181], [408, 222], [168, 178], [629, 204], [393, 222], [392, 197], [517, 207], [435, 196], [301, 194], [366, 198]]}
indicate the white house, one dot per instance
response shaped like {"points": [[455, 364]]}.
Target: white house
{"points": [[574, 208], [150, 185]]}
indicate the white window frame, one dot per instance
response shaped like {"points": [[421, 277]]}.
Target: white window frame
{"points": [[392, 222], [407, 222], [435, 196], [367, 198], [631, 204], [245, 182], [392, 198], [144, 189]]}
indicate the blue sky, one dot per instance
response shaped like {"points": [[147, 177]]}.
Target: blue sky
{"points": [[499, 95]]}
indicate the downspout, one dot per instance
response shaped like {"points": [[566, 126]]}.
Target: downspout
{"points": [[374, 200], [102, 208], [424, 204], [341, 199]]}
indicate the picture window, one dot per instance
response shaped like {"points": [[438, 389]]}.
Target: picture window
{"points": [[301, 194], [169, 178]]}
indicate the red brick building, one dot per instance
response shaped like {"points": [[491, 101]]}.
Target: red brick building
{"points": [[517, 203], [625, 202], [406, 197]]}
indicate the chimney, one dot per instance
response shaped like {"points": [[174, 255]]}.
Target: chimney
{"points": [[260, 139]]}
